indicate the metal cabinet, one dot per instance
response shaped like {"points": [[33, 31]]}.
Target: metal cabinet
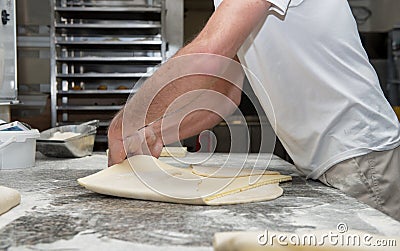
{"points": [[394, 68], [8, 62], [99, 51]]}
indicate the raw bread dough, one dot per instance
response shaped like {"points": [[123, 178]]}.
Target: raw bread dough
{"points": [[172, 151], [9, 198], [63, 135], [228, 172], [151, 179], [248, 241]]}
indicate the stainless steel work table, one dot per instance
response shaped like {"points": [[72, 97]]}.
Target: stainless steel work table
{"points": [[58, 214]]}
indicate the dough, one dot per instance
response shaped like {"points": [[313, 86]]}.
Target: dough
{"points": [[152, 179], [63, 135], [228, 172], [172, 151], [261, 193], [9, 198], [248, 241]]}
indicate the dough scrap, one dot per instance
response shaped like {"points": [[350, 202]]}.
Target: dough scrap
{"points": [[172, 151], [63, 135], [9, 198], [261, 193], [152, 179]]}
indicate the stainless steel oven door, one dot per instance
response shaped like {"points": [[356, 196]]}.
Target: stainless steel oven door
{"points": [[8, 62]]}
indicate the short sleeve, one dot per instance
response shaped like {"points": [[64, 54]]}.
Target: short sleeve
{"points": [[217, 3], [280, 6]]}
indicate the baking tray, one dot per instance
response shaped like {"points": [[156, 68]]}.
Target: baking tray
{"points": [[74, 147]]}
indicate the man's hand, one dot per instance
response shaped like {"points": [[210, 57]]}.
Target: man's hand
{"points": [[116, 151], [144, 141]]}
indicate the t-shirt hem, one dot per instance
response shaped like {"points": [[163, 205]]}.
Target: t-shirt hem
{"points": [[347, 155]]}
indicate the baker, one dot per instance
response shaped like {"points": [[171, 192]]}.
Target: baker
{"points": [[307, 58]]}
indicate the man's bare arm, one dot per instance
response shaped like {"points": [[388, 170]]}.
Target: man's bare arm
{"points": [[223, 35]]}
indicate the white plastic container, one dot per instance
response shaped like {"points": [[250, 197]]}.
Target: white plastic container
{"points": [[17, 149]]}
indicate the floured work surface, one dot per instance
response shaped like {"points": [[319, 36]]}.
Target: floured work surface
{"points": [[147, 178], [57, 214], [9, 198]]}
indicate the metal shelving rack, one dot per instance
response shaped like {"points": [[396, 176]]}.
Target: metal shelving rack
{"points": [[99, 51], [394, 67]]}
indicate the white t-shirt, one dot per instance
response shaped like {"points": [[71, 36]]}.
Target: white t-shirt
{"points": [[325, 94]]}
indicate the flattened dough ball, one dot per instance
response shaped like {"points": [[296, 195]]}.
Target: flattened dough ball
{"points": [[9, 198], [147, 178]]}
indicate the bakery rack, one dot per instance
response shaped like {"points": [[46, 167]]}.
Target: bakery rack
{"points": [[100, 49]]}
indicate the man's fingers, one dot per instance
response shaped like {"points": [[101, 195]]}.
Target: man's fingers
{"points": [[156, 148], [116, 152], [141, 142], [133, 144]]}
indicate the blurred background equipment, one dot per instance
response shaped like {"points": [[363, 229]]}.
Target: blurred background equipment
{"points": [[394, 69], [8, 57], [69, 141]]}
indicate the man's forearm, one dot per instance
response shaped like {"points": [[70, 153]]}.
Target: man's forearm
{"points": [[206, 111], [180, 82]]}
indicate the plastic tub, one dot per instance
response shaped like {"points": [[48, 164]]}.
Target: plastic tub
{"points": [[17, 149]]}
